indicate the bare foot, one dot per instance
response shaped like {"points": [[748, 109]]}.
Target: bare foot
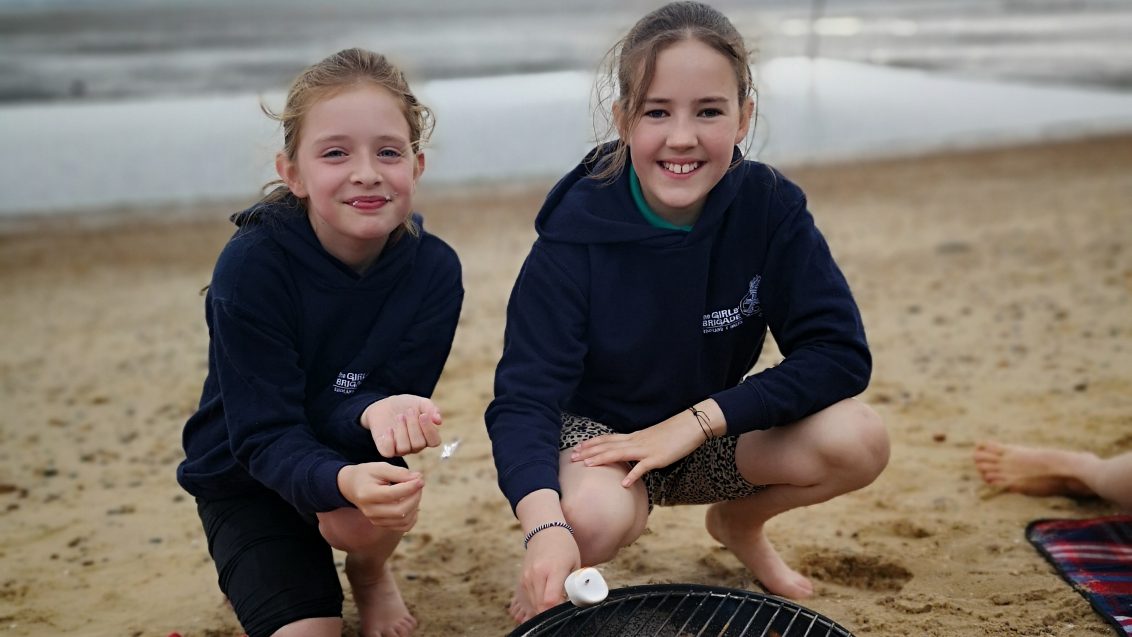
{"points": [[521, 609], [755, 551], [380, 607], [1030, 470]]}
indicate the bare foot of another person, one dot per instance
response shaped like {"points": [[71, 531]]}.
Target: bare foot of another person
{"points": [[380, 607], [755, 551], [1032, 471]]}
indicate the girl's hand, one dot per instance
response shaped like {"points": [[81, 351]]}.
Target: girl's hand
{"points": [[657, 446], [388, 495], [402, 424], [552, 554]]}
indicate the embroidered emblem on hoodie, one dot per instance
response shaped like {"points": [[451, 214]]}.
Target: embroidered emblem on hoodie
{"points": [[750, 303], [730, 318], [347, 382]]}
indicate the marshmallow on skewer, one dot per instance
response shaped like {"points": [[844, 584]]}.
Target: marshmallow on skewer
{"points": [[586, 587]]}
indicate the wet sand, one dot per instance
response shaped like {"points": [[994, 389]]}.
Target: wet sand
{"points": [[995, 288]]}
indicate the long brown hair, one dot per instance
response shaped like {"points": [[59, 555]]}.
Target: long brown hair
{"points": [[629, 66]]}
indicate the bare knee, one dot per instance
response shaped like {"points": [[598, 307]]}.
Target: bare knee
{"points": [[602, 526], [348, 530], [856, 443]]}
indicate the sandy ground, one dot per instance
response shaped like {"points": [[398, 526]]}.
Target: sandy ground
{"points": [[996, 292]]}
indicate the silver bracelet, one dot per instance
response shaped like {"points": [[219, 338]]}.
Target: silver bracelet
{"points": [[544, 526]]}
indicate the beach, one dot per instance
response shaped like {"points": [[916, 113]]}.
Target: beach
{"points": [[995, 286]]}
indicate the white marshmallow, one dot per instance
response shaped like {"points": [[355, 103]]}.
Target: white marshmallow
{"points": [[586, 587]]}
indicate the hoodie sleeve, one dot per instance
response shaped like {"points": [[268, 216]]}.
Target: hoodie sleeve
{"points": [[415, 365], [815, 321], [262, 388], [543, 354]]}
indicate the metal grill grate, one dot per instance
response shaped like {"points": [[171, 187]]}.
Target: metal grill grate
{"points": [[682, 610]]}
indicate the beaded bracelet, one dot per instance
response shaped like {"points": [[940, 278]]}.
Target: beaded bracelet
{"points": [[544, 526], [704, 421]]}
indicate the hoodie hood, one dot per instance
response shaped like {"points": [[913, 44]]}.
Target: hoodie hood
{"points": [[584, 210], [285, 222]]}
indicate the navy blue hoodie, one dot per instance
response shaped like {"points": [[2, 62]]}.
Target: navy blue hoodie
{"points": [[628, 324], [300, 345]]}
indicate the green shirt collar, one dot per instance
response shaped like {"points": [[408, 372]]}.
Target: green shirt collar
{"points": [[654, 219]]}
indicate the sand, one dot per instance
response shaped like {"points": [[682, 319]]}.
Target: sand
{"points": [[995, 288]]}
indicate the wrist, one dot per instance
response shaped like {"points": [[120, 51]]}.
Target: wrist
{"points": [[709, 419], [343, 480], [537, 507], [703, 421], [544, 527], [366, 417]]}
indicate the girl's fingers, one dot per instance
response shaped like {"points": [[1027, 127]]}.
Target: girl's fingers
{"points": [[387, 494], [401, 436], [402, 525], [533, 593], [431, 434], [417, 439], [593, 447], [401, 514], [405, 524], [583, 455], [635, 474], [548, 598], [603, 458], [385, 473], [598, 440], [619, 453], [429, 409], [386, 445]]}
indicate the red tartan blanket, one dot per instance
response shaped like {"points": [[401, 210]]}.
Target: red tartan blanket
{"points": [[1095, 557]]}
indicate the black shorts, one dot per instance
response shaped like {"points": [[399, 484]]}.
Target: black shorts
{"points": [[273, 564]]}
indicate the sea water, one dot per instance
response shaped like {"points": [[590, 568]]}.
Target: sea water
{"points": [[147, 104], [66, 156]]}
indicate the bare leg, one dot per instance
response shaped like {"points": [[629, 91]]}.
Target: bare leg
{"points": [[381, 609], [1043, 472], [316, 627], [833, 452], [380, 606], [606, 516]]}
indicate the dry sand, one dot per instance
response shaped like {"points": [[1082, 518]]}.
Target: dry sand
{"points": [[996, 292]]}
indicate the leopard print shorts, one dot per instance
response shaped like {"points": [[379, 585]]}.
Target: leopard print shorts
{"points": [[708, 474]]}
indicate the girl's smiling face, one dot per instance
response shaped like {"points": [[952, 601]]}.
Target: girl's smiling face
{"points": [[357, 170], [681, 146]]}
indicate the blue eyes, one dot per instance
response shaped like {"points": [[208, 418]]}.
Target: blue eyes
{"points": [[384, 153], [658, 113]]}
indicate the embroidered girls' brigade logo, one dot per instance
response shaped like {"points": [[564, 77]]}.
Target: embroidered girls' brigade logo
{"points": [[730, 318], [750, 303], [347, 382]]}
